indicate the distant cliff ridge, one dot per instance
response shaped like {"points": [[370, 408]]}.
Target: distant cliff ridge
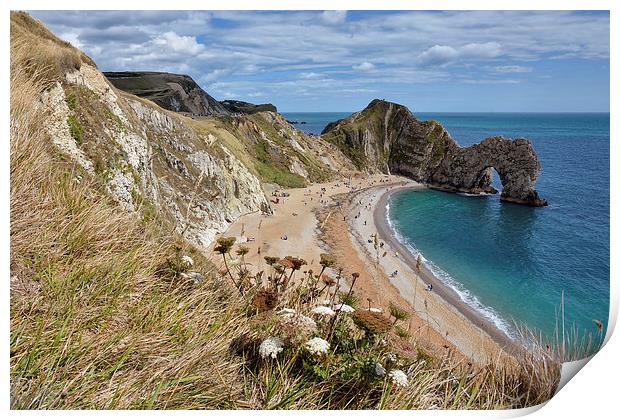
{"points": [[175, 92], [179, 93], [386, 137], [242, 107]]}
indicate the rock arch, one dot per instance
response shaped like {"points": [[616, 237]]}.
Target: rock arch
{"points": [[386, 137], [514, 160]]}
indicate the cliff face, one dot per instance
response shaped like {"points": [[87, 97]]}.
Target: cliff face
{"points": [[386, 137], [148, 159], [175, 92], [198, 174], [180, 93]]}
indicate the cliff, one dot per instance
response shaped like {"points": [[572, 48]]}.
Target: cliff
{"points": [[175, 92], [197, 174], [241, 107], [386, 137]]}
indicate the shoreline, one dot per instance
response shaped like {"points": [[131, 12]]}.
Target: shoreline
{"points": [[322, 218], [425, 275]]}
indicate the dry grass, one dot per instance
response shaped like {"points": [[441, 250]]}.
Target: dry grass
{"points": [[100, 316], [50, 56]]}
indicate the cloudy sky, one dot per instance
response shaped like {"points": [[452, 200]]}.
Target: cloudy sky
{"points": [[339, 61]]}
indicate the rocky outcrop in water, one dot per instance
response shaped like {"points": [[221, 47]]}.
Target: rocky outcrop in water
{"points": [[386, 137]]}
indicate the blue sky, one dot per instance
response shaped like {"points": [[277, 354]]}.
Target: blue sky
{"points": [[493, 61]]}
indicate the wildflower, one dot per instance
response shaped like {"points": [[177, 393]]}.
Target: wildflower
{"points": [[323, 310], [187, 261], [296, 328], [270, 347], [327, 261], [398, 377], [328, 280], [376, 310], [399, 314], [379, 369], [286, 262], [293, 263], [317, 346], [297, 262], [344, 308], [271, 260], [224, 244], [372, 322], [265, 300], [307, 322]]}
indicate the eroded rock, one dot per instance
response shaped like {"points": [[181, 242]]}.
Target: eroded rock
{"points": [[386, 137]]}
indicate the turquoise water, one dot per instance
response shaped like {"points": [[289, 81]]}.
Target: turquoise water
{"points": [[512, 262]]}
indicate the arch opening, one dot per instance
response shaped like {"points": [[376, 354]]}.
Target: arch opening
{"points": [[496, 180], [488, 181]]}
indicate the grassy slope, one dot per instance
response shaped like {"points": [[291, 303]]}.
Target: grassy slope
{"points": [[102, 317]]}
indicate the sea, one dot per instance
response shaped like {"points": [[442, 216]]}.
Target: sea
{"points": [[518, 266]]}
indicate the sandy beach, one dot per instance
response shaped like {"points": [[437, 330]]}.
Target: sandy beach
{"points": [[340, 219]]}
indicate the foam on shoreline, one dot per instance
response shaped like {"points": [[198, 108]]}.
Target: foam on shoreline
{"points": [[466, 296], [444, 286]]}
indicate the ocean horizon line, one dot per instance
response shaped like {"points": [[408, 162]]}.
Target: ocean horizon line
{"points": [[459, 112]]}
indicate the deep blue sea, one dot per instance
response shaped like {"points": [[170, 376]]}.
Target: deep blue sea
{"points": [[513, 262]]}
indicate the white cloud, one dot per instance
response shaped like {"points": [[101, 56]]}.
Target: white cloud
{"points": [[444, 54], [73, 38], [276, 53], [310, 75], [365, 66], [512, 69], [485, 81], [481, 50], [174, 42], [334, 16], [438, 54], [214, 75]]}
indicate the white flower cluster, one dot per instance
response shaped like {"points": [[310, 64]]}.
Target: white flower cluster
{"points": [[270, 347], [305, 321], [344, 308], [379, 369], [398, 377], [187, 261], [323, 310], [317, 346]]}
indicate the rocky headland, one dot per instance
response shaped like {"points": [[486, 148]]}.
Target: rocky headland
{"points": [[388, 138]]}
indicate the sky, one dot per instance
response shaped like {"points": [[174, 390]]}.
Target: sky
{"points": [[323, 61]]}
